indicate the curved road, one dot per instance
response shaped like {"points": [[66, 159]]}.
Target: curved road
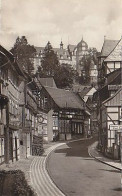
{"points": [[77, 174]]}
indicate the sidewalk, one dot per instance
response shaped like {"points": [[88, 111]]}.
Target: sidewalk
{"points": [[39, 177], [98, 156], [22, 164], [35, 170]]}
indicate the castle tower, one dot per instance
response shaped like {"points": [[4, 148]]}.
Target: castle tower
{"points": [[61, 45]]}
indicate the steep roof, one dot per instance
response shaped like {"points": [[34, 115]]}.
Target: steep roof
{"points": [[114, 77], [108, 46], [82, 43], [10, 58], [7, 53], [47, 82], [116, 53], [85, 91], [60, 52], [114, 100], [65, 99], [79, 87], [38, 49], [71, 47]]}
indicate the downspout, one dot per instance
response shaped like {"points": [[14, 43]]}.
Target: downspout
{"points": [[6, 132]]}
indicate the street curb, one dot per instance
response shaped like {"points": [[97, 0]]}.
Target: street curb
{"points": [[82, 139], [46, 160], [47, 157], [101, 160]]}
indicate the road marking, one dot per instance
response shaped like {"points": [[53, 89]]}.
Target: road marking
{"points": [[40, 179]]}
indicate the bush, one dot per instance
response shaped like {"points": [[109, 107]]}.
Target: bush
{"points": [[13, 183]]}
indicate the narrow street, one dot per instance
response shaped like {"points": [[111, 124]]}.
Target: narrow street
{"points": [[77, 174]]}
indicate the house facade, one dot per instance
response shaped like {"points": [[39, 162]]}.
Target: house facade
{"points": [[80, 50], [67, 116], [4, 107], [106, 64], [12, 76], [108, 101], [111, 115], [20, 132]]}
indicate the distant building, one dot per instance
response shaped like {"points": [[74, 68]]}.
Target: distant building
{"points": [[63, 56], [93, 73], [77, 52], [72, 55]]}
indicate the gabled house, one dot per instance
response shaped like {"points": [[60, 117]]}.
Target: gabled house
{"points": [[67, 114], [107, 48], [114, 60], [109, 82], [111, 114]]}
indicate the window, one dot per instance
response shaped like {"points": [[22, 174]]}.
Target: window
{"points": [[45, 101]]}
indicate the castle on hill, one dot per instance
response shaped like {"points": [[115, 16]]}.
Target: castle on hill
{"points": [[72, 55]]}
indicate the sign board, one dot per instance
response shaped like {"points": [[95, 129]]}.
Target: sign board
{"points": [[116, 127], [14, 121]]}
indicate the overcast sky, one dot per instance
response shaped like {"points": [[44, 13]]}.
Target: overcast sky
{"points": [[50, 20]]}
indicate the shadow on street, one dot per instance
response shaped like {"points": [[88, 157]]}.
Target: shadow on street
{"points": [[77, 149]]}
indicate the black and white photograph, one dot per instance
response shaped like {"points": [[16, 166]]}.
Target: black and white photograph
{"points": [[60, 97]]}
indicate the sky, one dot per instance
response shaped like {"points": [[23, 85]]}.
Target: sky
{"points": [[52, 20]]}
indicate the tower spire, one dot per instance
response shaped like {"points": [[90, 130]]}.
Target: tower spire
{"points": [[61, 44]]}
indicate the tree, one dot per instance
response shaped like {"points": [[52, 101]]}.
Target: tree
{"points": [[23, 53], [65, 75], [50, 66], [49, 63], [86, 63]]}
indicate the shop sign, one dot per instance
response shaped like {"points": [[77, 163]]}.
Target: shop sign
{"points": [[40, 118], [116, 127], [14, 121]]}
